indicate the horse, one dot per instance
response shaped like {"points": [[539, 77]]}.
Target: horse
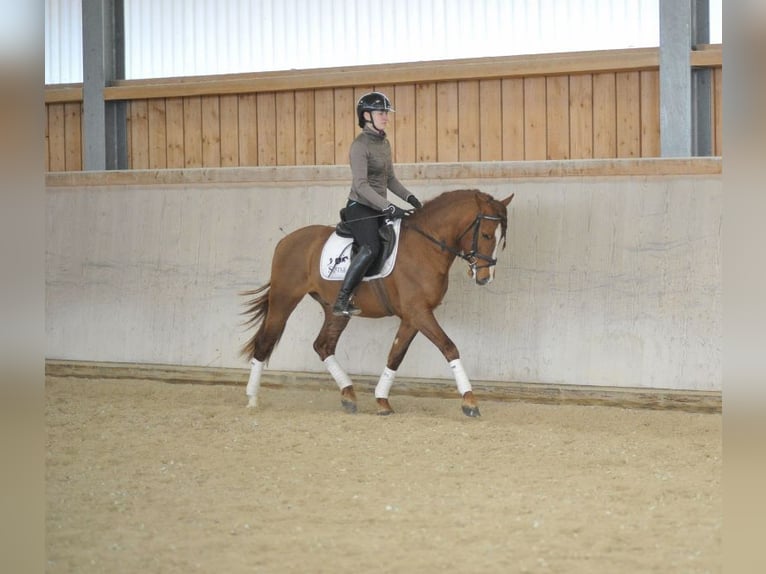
{"points": [[465, 223]]}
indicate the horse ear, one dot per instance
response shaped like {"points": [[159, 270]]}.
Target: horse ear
{"points": [[507, 200]]}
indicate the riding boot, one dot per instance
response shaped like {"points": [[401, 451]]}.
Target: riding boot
{"points": [[356, 270]]}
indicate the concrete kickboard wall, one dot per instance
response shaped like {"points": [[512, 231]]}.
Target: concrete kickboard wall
{"points": [[607, 280]]}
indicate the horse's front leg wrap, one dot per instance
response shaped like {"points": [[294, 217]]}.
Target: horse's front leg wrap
{"points": [[384, 383], [337, 372], [463, 384], [254, 382]]}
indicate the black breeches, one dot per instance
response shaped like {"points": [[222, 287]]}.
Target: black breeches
{"points": [[364, 223]]}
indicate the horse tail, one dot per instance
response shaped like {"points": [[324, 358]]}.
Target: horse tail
{"points": [[256, 309]]}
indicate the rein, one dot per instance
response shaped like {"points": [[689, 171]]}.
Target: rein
{"points": [[472, 257], [376, 216]]}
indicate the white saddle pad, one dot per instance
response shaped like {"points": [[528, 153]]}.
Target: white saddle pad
{"points": [[336, 255]]}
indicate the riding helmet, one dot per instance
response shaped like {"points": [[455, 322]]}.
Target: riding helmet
{"points": [[370, 102]]}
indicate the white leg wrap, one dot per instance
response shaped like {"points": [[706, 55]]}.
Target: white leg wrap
{"points": [[337, 372], [384, 383], [254, 382], [463, 384]]}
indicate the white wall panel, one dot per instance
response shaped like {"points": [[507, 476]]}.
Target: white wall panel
{"points": [[63, 41], [198, 37]]}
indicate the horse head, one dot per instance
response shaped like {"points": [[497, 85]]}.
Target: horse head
{"points": [[468, 224], [479, 242]]}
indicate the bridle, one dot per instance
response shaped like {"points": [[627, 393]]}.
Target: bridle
{"points": [[472, 257]]}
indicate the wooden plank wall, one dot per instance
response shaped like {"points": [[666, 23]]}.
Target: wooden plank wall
{"points": [[63, 137], [573, 115]]}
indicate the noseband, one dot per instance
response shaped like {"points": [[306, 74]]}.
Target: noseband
{"points": [[471, 257]]}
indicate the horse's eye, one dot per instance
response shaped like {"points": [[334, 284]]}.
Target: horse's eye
{"points": [[486, 236]]}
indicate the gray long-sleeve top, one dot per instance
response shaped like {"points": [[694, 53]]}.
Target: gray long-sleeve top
{"points": [[372, 170]]}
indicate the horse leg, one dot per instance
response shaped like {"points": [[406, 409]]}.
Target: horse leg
{"points": [[254, 382], [324, 345], [402, 340], [429, 326], [264, 342]]}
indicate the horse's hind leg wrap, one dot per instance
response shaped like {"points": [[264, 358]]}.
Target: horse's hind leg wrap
{"points": [[254, 382], [337, 372], [384, 383], [461, 378]]}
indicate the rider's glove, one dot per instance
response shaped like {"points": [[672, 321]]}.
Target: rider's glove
{"points": [[394, 212], [414, 201]]}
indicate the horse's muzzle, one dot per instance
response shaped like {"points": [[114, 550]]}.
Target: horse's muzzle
{"points": [[481, 273]]}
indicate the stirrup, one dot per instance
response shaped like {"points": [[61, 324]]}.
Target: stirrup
{"points": [[345, 308]]}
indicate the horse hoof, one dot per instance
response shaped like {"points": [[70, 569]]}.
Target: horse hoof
{"points": [[251, 402], [384, 407], [349, 407], [471, 411]]}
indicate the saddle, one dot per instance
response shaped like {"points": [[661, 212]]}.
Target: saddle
{"points": [[340, 248], [387, 242]]}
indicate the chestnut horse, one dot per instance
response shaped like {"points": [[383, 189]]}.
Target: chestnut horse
{"points": [[466, 223]]}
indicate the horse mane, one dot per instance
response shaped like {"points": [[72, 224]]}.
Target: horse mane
{"points": [[449, 198]]}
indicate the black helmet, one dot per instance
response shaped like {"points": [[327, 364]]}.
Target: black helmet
{"points": [[370, 102]]}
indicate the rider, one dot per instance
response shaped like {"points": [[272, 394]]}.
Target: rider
{"points": [[372, 174]]}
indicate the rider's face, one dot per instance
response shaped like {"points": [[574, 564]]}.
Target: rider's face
{"points": [[379, 119]]}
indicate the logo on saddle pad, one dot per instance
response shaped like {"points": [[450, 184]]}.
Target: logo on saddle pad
{"points": [[336, 255]]}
